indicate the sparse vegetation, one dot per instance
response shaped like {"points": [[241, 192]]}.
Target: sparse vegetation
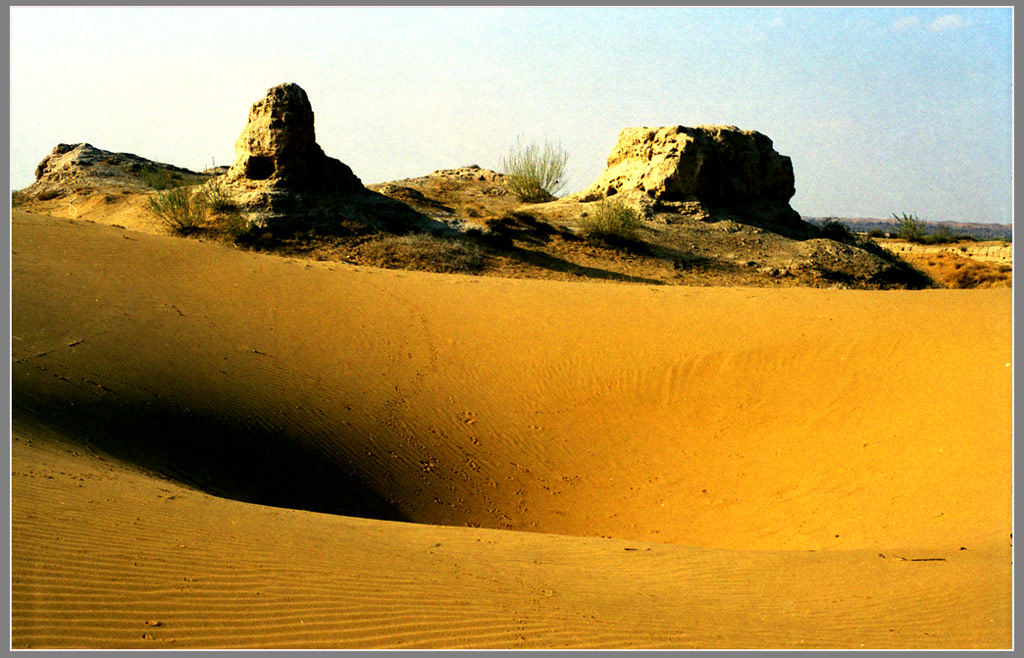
{"points": [[611, 222], [168, 179], [912, 229], [943, 235], [909, 227], [535, 173], [940, 235], [952, 270], [216, 196], [234, 224], [833, 229], [422, 251], [180, 211], [982, 275]]}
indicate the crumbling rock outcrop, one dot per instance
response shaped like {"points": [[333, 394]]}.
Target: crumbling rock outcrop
{"points": [[278, 147], [83, 168], [708, 171], [473, 173], [282, 180]]}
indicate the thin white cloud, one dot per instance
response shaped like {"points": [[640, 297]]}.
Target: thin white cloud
{"points": [[947, 22], [906, 23]]}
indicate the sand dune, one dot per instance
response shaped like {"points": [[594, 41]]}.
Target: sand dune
{"points": [[232, 444]]}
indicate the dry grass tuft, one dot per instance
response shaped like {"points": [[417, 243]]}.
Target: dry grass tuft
{"points": [[611, 222], [216, 195], [179, 210], [954, 271], [533, 173], [425, 252]]}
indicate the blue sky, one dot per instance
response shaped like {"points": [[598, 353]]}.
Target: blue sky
{"points": [[882, 110]]}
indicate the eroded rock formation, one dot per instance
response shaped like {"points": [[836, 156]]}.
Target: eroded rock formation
{"points": [[277, 147], [282, 180], [711, 171], [82, 168]]}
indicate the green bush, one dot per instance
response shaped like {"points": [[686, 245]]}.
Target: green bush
{"points": [[533, 173], [944, 235], [909, 227], [912, 229], [178, 210], [940, 235], [611, 222], [835, 230]]}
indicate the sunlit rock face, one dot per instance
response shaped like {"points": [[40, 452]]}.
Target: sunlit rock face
{"points": [[703, 171], [278, 147]]}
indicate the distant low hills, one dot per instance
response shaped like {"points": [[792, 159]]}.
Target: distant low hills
{"points": [[865, 224]]}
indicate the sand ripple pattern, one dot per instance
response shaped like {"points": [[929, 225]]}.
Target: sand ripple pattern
{"points": [[221, 449]]}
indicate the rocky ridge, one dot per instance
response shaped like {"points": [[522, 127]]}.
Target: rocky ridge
{"points": [[82, 168], [714, 199]]}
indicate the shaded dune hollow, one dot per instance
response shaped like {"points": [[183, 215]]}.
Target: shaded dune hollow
{"points": [[819, 420], [737, 419]]}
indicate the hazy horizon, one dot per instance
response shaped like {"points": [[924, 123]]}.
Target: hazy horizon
{"points": [[883, 110]]}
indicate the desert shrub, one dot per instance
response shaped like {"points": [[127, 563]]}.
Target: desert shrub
{"points": [[611, 222], [835, 230], [234, 224], [876, 233], [167, 179], [216, 195], [909, 227], [533, 173], [912, 229], [422, 251], [160, 179], [180, 211], [943, 235]]}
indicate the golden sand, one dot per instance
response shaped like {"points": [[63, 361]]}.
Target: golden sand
{"points": [[508, 463]]}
